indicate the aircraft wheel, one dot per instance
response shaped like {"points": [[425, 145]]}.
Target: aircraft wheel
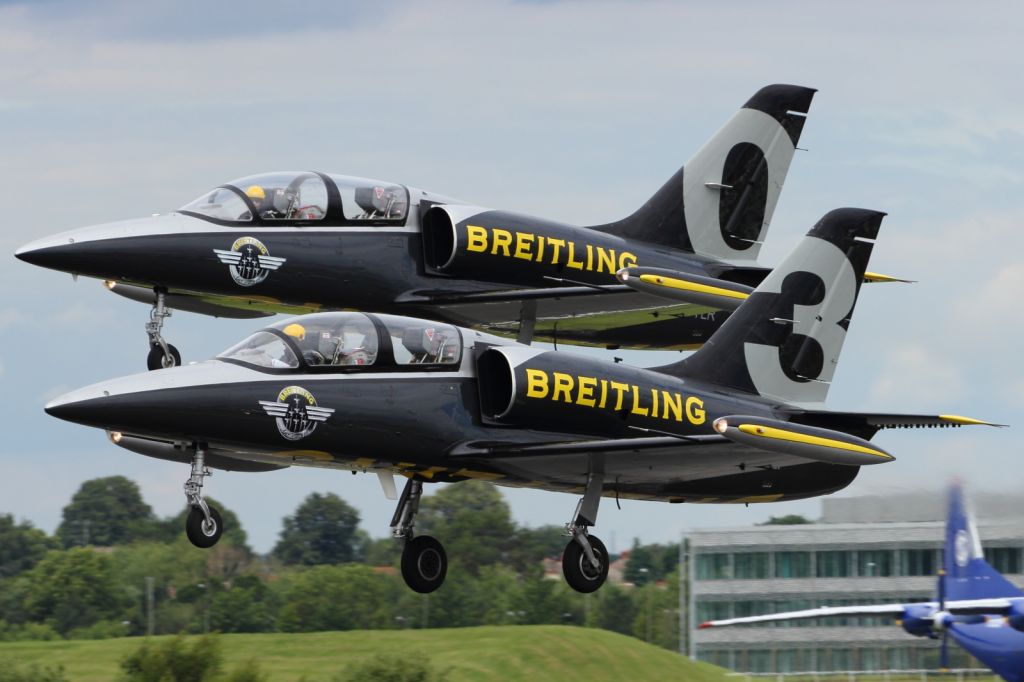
{"points": [[577, 569], [200, 533], [157, 359], [424, 564]]}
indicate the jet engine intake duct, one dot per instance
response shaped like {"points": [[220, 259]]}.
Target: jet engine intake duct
{"points": [[564, 392], [809, 442], [509, 248]]}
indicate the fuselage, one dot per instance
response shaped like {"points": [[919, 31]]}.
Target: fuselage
{"points": [[410, 396], [421, 259]]}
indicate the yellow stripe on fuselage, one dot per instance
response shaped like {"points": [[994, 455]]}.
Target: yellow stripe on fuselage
{"points": [[673, 283], [779, 434]]}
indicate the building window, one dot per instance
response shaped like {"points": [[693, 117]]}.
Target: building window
{"points": [[917, 562], [873, 563], [713, 567], [833, 564], [1004, 559], [713, 610], [841, 660], [792, 564], [759, 661], [751, 565]]}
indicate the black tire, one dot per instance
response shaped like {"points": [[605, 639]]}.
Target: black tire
{"points": [[578, 571], [197, 532], [424, 564], [157, 360]]}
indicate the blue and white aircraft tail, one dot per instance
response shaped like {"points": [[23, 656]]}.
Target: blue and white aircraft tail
{"points": [[975, 604]]}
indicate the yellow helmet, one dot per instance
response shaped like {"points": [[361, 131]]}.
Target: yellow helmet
{"points": [[296, 331], [255, 192]]}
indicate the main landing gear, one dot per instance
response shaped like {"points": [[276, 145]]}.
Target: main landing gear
{"points": [[585, 559], [203, 525], [424, 562], [161, 354]]}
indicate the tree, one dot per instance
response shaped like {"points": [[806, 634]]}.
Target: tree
{"points": [[473, 521], [787, 520], [322, 531], [650, 563], [106, 512], [21, 546], [73, 589], [350, 597]]}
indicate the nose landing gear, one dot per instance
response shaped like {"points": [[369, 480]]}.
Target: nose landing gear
{"points": [[203, 525], [161, 354], [424, 561]]}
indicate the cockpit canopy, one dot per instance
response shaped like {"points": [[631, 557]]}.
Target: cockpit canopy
{"points": [[302, 198], [346, 341]]}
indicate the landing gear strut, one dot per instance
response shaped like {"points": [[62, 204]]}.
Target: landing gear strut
{"points": [[424, 562], [161, 354], [585, 559], [203, 525]]}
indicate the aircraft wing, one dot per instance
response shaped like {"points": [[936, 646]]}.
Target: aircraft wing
{"points": [[968, 607], [706, 468], [215, 306], [605, 315]]}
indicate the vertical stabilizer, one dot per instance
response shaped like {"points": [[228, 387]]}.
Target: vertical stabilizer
{"points": [[784, 341], [968, 575], [720, 203]]}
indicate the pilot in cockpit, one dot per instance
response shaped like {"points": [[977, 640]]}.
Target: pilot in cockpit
{"points": [[298, 334], [264, 208], [356, 346]]}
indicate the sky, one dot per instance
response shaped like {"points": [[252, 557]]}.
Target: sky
{"points": [[572, 111]]}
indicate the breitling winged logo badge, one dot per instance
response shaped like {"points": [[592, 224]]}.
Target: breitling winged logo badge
{"points": [[296, 412], [248, 261]]}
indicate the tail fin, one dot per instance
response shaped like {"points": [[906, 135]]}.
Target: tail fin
{"points": [[784, 341], [967, 574], [720, 203]]}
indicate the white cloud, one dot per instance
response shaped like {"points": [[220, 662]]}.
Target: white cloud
{"points": [[915, 374]]}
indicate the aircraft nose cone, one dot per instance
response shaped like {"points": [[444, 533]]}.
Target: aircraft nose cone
{"points": [[83, 406], [47, 253]]}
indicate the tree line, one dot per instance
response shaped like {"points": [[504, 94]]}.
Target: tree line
{"points": [[113, 568]]}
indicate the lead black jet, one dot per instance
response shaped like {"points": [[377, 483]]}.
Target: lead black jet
{"points": [[741, 420], [310, 241]]}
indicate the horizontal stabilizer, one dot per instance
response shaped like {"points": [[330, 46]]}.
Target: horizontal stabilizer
{"points": [[867, 424]]}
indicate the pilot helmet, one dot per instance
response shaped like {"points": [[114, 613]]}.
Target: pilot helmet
{"points": [[296, 331], [255, 192]]}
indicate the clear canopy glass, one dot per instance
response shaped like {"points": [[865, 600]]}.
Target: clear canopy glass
{"points": [[364, 199], [302, 197], [263, 349], [350, 339]]}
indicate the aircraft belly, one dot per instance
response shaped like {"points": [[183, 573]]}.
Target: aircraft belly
{"points": [[689, 473]]}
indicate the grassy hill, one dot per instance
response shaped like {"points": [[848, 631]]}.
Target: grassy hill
{"points": [[507, 653]]}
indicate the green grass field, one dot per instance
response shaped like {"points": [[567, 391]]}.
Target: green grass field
{"points": [[484, 653]]}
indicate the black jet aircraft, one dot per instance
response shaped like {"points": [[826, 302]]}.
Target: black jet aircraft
{"points": [[311, 241], [741, 420]]}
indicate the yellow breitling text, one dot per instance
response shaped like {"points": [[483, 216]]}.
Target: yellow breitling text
{"points": [[603, 394], [539, 249]]}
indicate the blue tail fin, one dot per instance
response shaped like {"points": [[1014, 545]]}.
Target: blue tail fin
{"points": [[968, 575]]}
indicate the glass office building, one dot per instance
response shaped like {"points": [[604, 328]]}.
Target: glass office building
{"points": [[862, 551]]}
